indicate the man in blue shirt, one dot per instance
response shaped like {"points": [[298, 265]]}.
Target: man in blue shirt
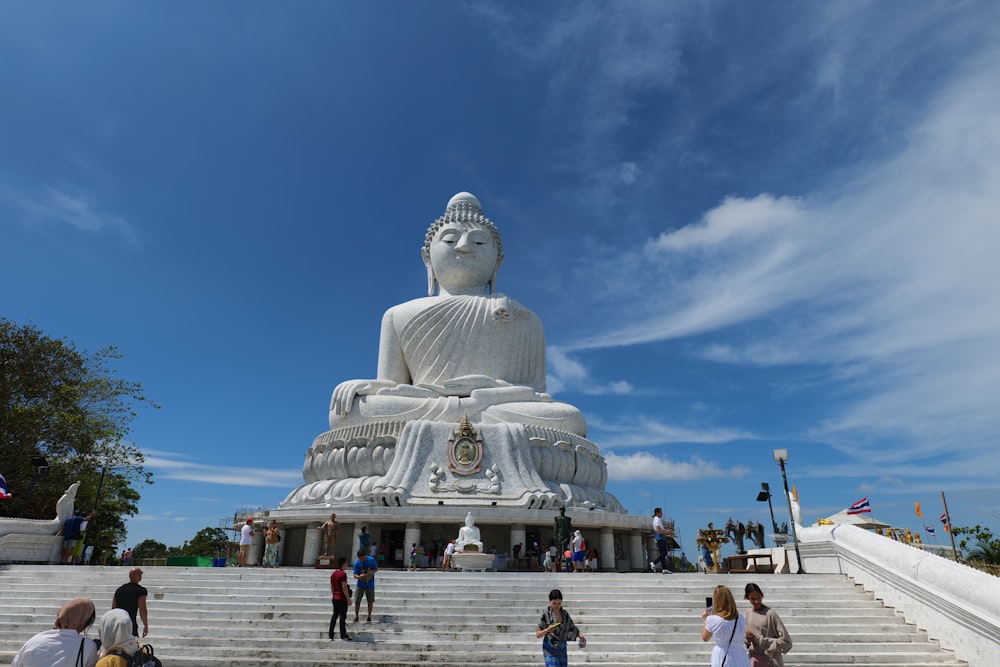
{"points": [[365, 568]]}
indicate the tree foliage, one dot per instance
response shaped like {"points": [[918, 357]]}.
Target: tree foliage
{"points": [[207, 542], [149, 549], [986, 547], [71, 408]]}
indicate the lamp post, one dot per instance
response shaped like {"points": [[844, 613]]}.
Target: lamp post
{"points": [[41, 469], [781, 455], [765, 494]]}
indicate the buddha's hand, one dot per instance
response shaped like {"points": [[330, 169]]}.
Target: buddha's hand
{"points": [[464, 385], [346, 392]]}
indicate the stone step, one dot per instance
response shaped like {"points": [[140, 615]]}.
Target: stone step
{"points": [[254, 617]]}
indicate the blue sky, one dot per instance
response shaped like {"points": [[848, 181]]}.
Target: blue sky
{"points": [[743, 226]]}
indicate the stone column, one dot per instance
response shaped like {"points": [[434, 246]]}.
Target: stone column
{"points": [[411, 535], [257, 547], [310, 551], [636, 554], [607, 559]]}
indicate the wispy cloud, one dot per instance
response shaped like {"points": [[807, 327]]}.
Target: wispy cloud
{"points": [[639, 431], [893, 275], [68, 206], [169, 466], [568, 373]]}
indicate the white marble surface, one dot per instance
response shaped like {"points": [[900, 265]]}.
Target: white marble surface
{"points": [[465, 352]]}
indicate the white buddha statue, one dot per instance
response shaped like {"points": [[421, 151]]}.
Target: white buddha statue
{"points": [[468, 536], [463, 352]]}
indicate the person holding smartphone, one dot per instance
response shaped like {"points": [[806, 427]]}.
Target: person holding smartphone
{"points": [[555, 629], [725, 626]]}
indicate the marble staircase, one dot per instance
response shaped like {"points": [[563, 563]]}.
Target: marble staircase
{"points": [[256, 617]]}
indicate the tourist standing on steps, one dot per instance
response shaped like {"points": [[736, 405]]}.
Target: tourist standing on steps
{"points": [[766, 638], [64, 642], [725, 627], [341, 599], [364, 539], [132, 598], [246, 539], [412, 565], [365, 568], [555, 628], [271, 538], [579, 551], [448, 551], [661, 533]]}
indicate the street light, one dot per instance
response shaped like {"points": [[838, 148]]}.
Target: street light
{"points": [[781, 455], [765, 494], [41, 467]]}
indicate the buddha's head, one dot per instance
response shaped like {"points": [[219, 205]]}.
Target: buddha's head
{"points": [[462, 249]]}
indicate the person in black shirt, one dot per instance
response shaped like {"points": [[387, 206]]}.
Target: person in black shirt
{"points": [[132, 598]]}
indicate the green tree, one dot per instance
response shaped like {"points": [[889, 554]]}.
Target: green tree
{"points": [[986, 547], [149, 549], [207, 542], [71, 408]]}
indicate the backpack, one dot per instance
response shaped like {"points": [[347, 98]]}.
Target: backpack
{"points": [[144, 657], [583, 544]]}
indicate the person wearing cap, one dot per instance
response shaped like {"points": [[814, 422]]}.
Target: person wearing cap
{"points": [[661, 533], [246, 539], [579, 551]]}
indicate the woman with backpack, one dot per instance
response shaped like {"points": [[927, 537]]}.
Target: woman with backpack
{"points": [[118, 645]]}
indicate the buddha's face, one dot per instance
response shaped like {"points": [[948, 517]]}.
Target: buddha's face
{"points": [[464, 257]]}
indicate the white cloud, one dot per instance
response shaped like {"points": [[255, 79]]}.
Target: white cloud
{"points": [[166, 466], [569, 374], [639, 431], [646, 466], [735, 220]]}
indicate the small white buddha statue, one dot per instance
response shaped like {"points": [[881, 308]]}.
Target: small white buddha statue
{"points": [[468, 536]]}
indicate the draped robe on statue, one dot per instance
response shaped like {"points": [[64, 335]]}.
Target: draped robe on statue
{"points": [[455, 336]]}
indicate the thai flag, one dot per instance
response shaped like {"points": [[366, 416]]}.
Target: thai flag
{"points": [[4, 491], [860, 507], [930, 530]]}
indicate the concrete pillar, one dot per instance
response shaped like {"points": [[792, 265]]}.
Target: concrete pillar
{"points": [[257, 547], [636, 552], [310, 551], [281, 546], [607, 559], [411, 535]]}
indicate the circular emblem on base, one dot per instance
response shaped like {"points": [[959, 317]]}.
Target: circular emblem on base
{"points": [[465, 450]]}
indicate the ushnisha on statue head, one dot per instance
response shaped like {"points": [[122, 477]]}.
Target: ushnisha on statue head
{"points": [[462, 249]]}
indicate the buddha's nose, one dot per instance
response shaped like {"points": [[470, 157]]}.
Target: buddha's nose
{"points": [[464, 245]]}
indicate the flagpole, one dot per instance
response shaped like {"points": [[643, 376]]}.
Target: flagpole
{"points": [[951, 533]]}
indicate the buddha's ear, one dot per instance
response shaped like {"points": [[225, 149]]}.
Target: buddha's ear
{"points": [[431, 279], [493, 278]]}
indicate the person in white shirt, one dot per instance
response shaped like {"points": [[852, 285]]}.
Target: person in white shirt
{"points": [[448, 551], [661, 533], [64, 644], [246, 539]]}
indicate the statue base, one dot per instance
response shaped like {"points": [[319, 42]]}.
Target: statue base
{"points": [[326, 563]]}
